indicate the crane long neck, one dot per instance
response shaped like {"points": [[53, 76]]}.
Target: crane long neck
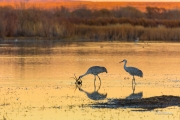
{"points": [[83, 75], [125, 64]]}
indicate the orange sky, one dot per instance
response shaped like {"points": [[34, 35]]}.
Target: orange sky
{"points": [[132, 0], [97, 5]]}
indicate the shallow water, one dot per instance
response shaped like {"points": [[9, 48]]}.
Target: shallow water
{"points": [[36, 79]]}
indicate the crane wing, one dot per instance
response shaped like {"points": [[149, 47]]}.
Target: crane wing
{"points": [[134, 71]]}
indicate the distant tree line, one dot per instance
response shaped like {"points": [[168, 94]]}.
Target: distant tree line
{"points": [[123, 24], [151, 18]]}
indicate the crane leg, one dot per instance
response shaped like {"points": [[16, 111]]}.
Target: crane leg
{"points": [[132, 84], [94, 83], [100, 82], [99, 79], [134, 80], [133, 88]]}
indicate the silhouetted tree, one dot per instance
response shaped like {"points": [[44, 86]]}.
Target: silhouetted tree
{"points": [[62, 12], [81, 13], [173, 14], [155, 12], [128, 12], [102, 13]]}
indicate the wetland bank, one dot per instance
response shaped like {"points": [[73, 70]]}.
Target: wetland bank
{"points": [[36, 81]]}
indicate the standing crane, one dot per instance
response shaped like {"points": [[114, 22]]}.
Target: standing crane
{"points": [[95, 70], [136, 40], [132, 71]]}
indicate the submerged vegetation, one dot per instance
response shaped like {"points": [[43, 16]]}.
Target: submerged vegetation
{"points": [[83, 24]]}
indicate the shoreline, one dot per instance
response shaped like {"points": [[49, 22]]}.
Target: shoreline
{"points": [[43, 39]]}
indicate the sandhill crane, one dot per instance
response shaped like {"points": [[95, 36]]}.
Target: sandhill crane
{"points": [[132, 71], [136, 40], [95, 70]]}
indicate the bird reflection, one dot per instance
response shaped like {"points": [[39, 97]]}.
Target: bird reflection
{"points": [[135, 95], [78, 82], [95, 95]]}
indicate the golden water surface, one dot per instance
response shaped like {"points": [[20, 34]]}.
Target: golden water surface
{"points": [[36, 80]]}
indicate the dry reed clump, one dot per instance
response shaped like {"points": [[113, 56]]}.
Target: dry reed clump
{"points": [[98, 25], [110, 32], [126, 32]]}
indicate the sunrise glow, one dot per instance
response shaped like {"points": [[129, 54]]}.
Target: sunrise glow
{"points": [[130, 0]]}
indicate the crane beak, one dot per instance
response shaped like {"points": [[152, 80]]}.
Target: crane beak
{"points": [[121, 61]]}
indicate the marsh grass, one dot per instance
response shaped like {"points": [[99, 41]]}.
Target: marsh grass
{"points": [[126, 32], [83, 24]]}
